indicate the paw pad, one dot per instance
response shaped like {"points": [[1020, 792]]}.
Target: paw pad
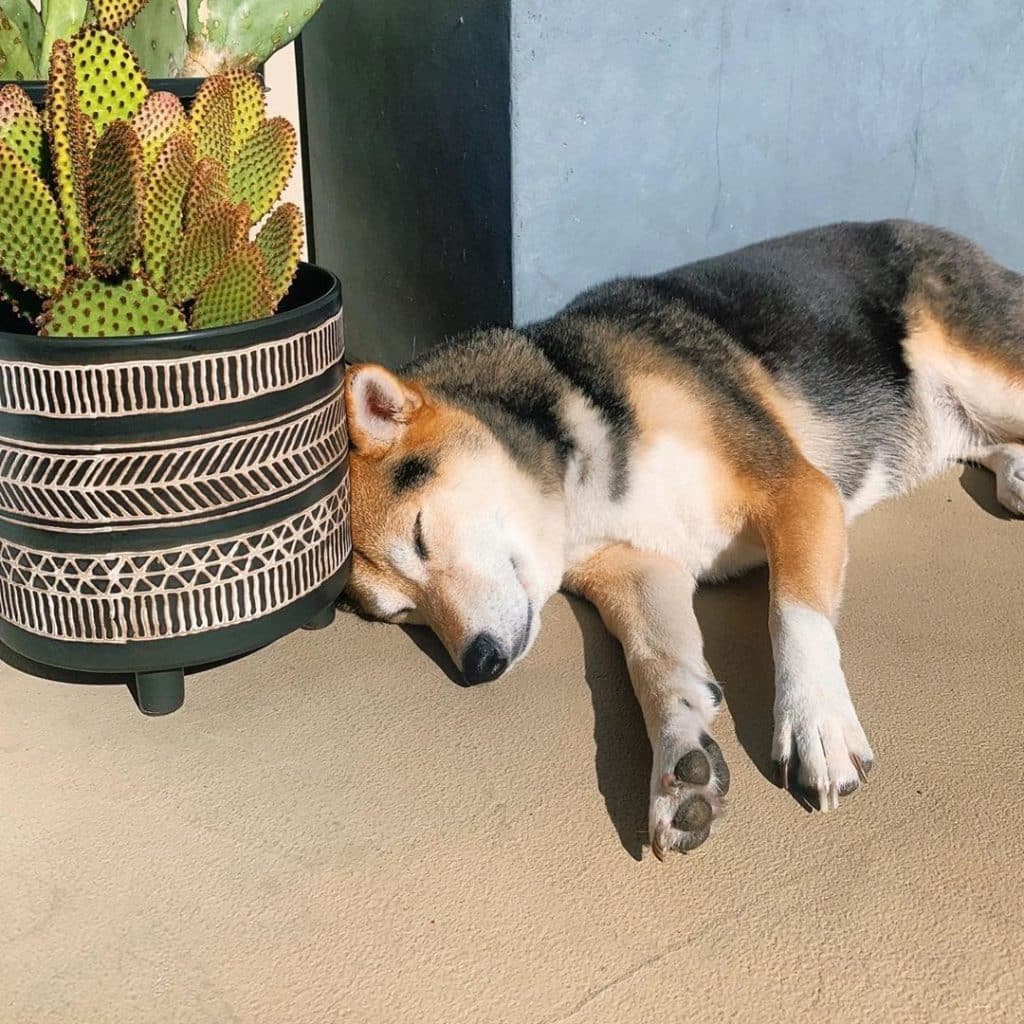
{"points": [[718, 763], [693, 768], [694, 815]]}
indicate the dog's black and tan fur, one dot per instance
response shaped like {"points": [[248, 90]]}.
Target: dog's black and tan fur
{"points": [[666, 430]]}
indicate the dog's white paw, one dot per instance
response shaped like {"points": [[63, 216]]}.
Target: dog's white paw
{"points": [[1010, 486], [689, 779], [820, 744]]}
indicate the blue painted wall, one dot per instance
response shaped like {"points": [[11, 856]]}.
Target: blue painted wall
{"points": [[649, 133]]}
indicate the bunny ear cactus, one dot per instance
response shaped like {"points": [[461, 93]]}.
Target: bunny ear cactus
{"points": [[20, 126], [208, 187], [142, 223], [160, 116], [31, 238], [91, 308], [70, 143], [115, 193], [108, 78], [280, 243], [113, 14]]}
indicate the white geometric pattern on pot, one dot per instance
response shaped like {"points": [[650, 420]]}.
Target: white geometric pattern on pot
{"points": [[150, 484], [109, 389], [131, 596]]}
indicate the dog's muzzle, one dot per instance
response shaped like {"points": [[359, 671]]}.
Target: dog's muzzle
{"points": [[484, 660]]}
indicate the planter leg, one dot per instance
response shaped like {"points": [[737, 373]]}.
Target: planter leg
{"points": [[160, 693], [322, 619]]}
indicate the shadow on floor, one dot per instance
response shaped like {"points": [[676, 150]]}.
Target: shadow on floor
{"points": [[980, 485], [60, 675], [622, 755], [426, 640], [734, 620], [53, 674]]}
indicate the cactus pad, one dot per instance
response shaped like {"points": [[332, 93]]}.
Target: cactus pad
{"points": [[147, 210], [280, 243], [237, 293], [98, 309], [30, 25], [211, 116], [61, 20], [160, 117], [116, 192], [203, 249], [157, 38], [31, 241], [165, 201], [264, 166], [20, 126], [248, 108], [114, 14], [224, 34], [16, 61], [110, 82], [69, 150], [209, 186]]}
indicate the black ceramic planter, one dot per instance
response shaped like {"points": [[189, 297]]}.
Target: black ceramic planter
{"points": [[173, 500]]}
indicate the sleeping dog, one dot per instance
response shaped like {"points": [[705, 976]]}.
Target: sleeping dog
{"points": [[668, 430]]}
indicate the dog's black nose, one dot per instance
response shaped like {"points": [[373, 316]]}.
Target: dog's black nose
{"points": [[484, 660]]}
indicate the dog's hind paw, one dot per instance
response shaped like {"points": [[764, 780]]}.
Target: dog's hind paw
{"points": [[688, 786]]}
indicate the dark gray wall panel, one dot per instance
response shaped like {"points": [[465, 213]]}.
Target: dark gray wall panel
{"points": [[408, 166]]}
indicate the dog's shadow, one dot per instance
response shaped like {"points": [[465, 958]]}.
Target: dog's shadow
{"points": [[734, 621], [980, 485]]}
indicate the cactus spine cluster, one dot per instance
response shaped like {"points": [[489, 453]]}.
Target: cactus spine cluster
{"points": [[220, 35], [133, 216]]}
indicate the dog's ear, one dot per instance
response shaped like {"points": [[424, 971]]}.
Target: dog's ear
{"points": [[379, 408]]}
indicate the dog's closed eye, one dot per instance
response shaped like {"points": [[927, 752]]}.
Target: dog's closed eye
{"points": [[417, 536]]}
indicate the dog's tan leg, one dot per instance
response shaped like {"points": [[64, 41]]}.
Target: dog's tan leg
{"points": [[646, 602], [804, 531]]}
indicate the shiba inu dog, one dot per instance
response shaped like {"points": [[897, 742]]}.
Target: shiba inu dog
{"points": [[667, 430]]}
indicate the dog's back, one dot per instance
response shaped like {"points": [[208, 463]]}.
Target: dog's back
{"points": [[861, 328]]}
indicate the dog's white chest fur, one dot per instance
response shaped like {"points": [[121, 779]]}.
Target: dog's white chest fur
{"points": [[667, 506]]}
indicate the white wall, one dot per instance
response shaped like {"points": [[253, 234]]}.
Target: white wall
{"points": [[283, 100]]}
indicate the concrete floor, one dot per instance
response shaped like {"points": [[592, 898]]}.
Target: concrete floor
{"points": [[330, 830]]}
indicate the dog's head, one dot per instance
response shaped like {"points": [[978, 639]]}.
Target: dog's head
{"points": [[447, 530]]}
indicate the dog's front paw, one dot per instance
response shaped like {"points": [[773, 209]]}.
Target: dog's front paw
{"points": [[1010, 486], [689, 780], [820, 744]]}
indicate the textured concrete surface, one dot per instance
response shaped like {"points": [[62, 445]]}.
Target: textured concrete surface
{"points": [[650, 133], [331, 830]]}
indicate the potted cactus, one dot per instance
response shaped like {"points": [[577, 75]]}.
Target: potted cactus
{"points": [[217, 36], [173, 459]]}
